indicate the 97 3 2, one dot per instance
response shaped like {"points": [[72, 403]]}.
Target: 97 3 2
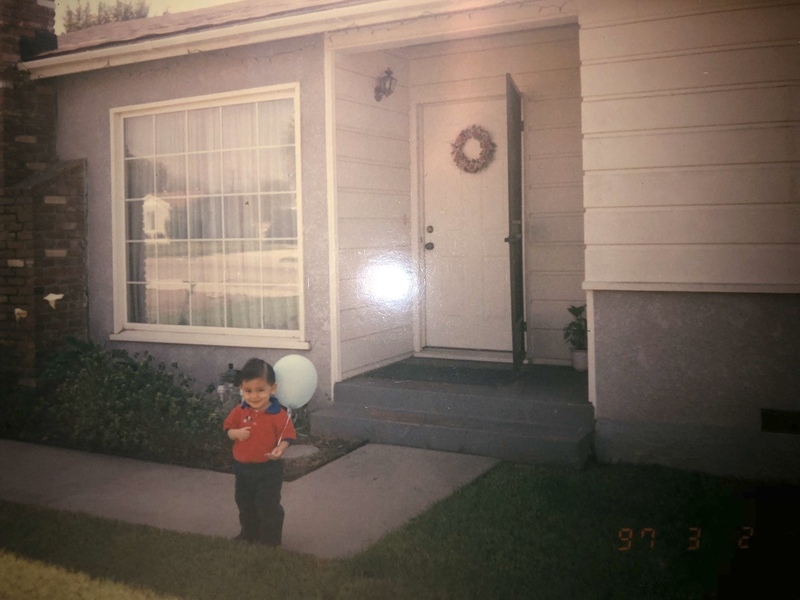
{"points": [[647, 537]]}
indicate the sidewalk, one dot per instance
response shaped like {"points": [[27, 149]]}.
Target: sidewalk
{"points": [[335, 511]]}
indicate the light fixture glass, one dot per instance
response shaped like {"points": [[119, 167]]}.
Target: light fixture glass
{"points": [[386, 85]]}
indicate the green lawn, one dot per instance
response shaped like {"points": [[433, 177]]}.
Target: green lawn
{"points": [[517, 532]]}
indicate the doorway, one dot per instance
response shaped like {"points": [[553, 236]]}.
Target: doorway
{"points": [[465, 223]]}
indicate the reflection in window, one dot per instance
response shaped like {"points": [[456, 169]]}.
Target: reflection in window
{"points": [[211, 217]]}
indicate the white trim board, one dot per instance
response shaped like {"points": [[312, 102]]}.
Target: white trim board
{"points": [[333, 216]]}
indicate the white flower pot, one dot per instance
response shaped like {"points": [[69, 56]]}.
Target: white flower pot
{"points": [[580, 360]]}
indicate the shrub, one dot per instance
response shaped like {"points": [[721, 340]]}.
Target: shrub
{"points": [[116, 403]]}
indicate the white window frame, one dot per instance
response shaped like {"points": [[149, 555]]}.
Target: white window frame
{"points": [[183, 334]]}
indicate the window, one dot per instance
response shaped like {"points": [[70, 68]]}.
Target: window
{"points": [[210, 195]]}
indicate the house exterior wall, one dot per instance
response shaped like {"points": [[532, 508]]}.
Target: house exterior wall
{"points": [[373, 181], [678, 170], [83, 132], [690, 123], [42, 212], [43, 250], [684, 378], [27, 139], [691, 116], [545, 66]]}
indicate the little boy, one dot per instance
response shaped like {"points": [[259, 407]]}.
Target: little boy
{"points": [[261, 431]]}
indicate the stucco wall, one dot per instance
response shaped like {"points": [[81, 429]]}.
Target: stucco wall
{"points": [[84, 101], [682, 379]]}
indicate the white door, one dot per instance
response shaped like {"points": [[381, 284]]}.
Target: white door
{"points": [[465, 219]]}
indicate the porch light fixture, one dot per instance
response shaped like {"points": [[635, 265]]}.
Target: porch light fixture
{"points": [[386, 85]]}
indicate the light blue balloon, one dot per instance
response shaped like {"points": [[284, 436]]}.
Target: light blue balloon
{"points": [[296, 377]]}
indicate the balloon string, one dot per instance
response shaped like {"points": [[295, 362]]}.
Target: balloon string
{"points": [[288, 418]]}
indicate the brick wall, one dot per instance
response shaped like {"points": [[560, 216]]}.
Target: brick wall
{"points": [[42, 210], [27, 131]]}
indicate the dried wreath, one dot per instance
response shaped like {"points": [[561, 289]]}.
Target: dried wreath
{"points": [[473, 165]]}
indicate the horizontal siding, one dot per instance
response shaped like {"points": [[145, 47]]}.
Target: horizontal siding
{"points": [[733, 67], [729, 224], [355, 262], [563, 287], [556, 113], [548, 345], [744, 106], [538, 85], [377, 148], [471, 45], [373, 174], [556, 258], [545, 312], [369, 204], [722, 184], [757, 144], [372, 119], [359, 323], [554, 142], [373, 233], [565, 170], [515, 58], [554, 199], [723, 25], [366, 176], [353, 293], [554, 228], [691, 122], [360, 354]]}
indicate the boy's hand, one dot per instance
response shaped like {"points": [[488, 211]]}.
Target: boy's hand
{"points": [[278, 451], [239, 435]]}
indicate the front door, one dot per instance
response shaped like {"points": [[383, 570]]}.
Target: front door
{"points": [[465, 225], [515, 217]]}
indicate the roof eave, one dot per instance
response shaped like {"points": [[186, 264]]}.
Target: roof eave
{"points": [[289, 26]]}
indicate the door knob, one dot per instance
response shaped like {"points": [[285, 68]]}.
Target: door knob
{"points": [[429, 246]]}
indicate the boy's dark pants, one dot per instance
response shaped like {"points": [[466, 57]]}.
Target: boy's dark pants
{"points": [[258, 497]]}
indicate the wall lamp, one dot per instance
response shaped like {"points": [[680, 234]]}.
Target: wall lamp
{"points": [[386, 85]]}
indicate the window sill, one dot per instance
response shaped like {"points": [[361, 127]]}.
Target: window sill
{"points": [[205, 339]]}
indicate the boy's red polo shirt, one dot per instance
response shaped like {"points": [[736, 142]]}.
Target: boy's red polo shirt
{"points": [[266, 428]]}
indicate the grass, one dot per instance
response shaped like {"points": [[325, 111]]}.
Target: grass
{"points": [[22, 578], [517, 532]]}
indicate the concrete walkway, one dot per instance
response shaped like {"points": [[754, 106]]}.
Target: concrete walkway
{"points": [[332, 512]]}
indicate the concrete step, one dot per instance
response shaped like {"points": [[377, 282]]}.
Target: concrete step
{"points": [[514, 440], [502, 403], [536, 414]]}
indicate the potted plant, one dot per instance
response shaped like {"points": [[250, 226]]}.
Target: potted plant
{"points": [[576, 335]]}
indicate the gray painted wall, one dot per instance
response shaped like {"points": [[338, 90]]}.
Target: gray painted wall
{"points": [[682, 378], [84, 101]]}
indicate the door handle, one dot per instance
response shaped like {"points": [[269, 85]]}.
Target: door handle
{"points": [[429, 246]]}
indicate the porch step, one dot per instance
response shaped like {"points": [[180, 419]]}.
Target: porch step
{"points": [[510, 422]]}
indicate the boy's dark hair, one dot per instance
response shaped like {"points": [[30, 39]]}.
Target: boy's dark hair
{"points": [[256, 368]]}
